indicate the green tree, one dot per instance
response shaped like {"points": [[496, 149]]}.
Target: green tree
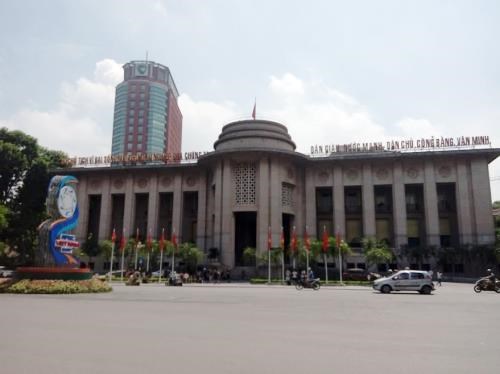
{"points": [[190, 255], [376, 252], [249, 256], [91, 247]]}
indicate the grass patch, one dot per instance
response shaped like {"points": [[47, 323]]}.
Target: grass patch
{"points": [[27, 286]]}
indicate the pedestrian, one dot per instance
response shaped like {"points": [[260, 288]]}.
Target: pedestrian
{"points": [[431, 273], [439, 277], [287, 277]]}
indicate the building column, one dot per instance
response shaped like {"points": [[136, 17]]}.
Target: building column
{"points": [[431, 205], [227, 219], [263, 217], [369, 229], [83, 206], [129, 210], [105, 216], [202, 213], [481, 194], [338, 202], [275, 204], [464, 204], [217, 239], [310, 203], [177, 207], [153, 204], [399, 207]]}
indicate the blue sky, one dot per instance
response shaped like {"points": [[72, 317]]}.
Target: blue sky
{"points": [[332, 71]]}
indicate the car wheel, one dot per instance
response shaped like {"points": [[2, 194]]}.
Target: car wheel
{"points": [[385, 289], [426, 290]]}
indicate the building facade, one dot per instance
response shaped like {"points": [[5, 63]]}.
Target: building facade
{"points": [[254, 181], [147, 118]]}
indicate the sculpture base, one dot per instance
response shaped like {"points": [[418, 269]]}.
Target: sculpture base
{"points": [[62, 273]]}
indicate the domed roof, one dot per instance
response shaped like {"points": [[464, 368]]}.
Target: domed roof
{"points": [[255, 134]]}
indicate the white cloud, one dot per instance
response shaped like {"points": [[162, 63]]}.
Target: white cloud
{"points": [[287, 86], [81, 123]]}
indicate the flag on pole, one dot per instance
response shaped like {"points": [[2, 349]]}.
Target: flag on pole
{"points": [[307, 241], [149, 241], [113, 236], [325, 239], [161, 244], [282, 239], [174, 239], [122, 241], [269, 239], [254, 109], [293, 244]]}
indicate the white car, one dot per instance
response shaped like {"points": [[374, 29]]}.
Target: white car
{"points": [[406, 280]]}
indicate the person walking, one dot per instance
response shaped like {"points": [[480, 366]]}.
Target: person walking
{"points": [[439, 277]]}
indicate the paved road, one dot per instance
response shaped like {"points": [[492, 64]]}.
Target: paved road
{"points": [[251, 329]]}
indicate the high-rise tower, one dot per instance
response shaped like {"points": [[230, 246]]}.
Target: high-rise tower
{"points": [[147, 118]]}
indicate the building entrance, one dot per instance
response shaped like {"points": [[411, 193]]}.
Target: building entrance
{"points": [[245, 232]]}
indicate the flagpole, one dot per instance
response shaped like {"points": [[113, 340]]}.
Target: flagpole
{"points": [[111, 263], [283, 266], [307, 260], [326, 269], [123, 260], [136, 254], [161, 263], [147, 263]]}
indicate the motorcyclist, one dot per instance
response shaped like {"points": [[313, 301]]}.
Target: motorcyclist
{"points": [[488, 279], [310, 275]]}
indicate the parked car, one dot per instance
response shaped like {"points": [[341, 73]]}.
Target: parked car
{"points": [[406, 280], [358, 274]]}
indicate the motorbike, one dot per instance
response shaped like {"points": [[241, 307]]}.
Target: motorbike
{"points": [[486, 285], [314, 284]]}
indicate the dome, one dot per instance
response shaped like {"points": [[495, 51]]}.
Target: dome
{"points": [[254, 134]]}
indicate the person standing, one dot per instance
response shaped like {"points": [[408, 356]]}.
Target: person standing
{"points": [[439, 277]]}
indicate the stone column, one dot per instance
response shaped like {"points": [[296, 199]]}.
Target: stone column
{"points": [[217, 239], [105, 216], [463, 194], [431, 205], [369, 229], [153, 205], [338, 201], [310, 203], [202, 213], [83, 206], [263, 219], [275, 204], [399, 206], [177, 207], [227, 224], [481, 193], [129, 210]]}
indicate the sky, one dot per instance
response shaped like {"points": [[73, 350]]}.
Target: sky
{"points": [[333, 72]]}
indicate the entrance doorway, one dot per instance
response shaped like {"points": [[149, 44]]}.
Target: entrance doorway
{"points": [[245, 233], [287, 220]]}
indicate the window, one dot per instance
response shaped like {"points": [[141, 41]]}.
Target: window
{"points": [[141, 104], [142, 95], [129, 147], [130, 138], [139, 138], [139, 130], [404, 276], [141, 113], [417, 275], [139, 146], [141, 121], [131, 113], [143, 87], [132, 104]]}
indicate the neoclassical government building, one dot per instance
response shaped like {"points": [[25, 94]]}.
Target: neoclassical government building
{"points": [[254, 180]]}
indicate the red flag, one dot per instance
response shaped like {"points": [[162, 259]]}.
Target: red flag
{"points": [[162, 240], [337, 239], [293, 244], [113, 236], [122, 241], [149, 242], [174, 240], [307, 241], [325, 239], [269, 239], [254, 110], [282, 239]]}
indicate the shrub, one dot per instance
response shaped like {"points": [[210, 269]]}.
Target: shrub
{"points": [[27, 286]]}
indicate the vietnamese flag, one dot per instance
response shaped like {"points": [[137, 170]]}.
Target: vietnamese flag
{"points": [[325, 239], [307, 241], [149, 242], [282, 239], [174, 239], [269, 239], [162, 240], [122, 241], [293, 244], [113, 236]]}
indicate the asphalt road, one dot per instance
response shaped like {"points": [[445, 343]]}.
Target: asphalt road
{"points": [[251, 329]]}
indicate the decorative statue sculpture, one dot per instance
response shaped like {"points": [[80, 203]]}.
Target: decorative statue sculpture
{"points": [[55, 247]]}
